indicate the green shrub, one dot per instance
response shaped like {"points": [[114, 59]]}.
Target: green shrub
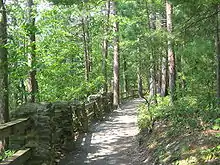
{"points": [[144, 117], [187, 112], [6, 154]]}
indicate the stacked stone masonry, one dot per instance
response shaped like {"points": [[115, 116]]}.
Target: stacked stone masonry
{"points": [[55, 126]]}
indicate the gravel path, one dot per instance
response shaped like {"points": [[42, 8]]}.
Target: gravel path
{"points": [[110, 142]]}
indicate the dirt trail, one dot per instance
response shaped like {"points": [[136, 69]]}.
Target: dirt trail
{"points": [[110, 142]]}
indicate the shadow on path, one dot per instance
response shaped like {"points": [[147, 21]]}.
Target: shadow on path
{"points": [[109, 142]]}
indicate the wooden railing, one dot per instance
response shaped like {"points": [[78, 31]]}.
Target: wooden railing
{"points": [[130, 94], [17, 127]]}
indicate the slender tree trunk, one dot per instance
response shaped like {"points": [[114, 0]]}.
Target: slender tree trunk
{"points": [[89, 42], [4, 102], [179, 83], [105, 48], [152, 82], [116, 58], [152, 78], [159, 65], [125, 77], [140, 83], [217, 43], [32, 81], [86, 51], [171, 55], [164, 77], [164, 66]]}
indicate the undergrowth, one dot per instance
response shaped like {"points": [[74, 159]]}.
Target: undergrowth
{"points": [[191, 134], [4, 155]]}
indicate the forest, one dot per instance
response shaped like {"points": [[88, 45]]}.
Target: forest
{"points": [[168, 50]]}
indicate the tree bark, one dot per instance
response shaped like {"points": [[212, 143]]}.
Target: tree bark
{"points": [[164, 77], [152, 80], [116, 58], [4, 100], [140, 83], [217, 44], [171, 55], [125, 77], [86, 50], [105, 48], [32, 81]]}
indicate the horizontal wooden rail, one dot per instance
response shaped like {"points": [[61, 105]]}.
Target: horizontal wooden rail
{"points": [[129, 94], [19, 158], [14, 127]]}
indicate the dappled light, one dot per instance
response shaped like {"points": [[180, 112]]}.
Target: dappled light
{"points": [[110, 141], [110, 82]]}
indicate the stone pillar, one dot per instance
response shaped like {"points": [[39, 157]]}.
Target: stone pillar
{"points": [[62, 128], [80, 117], [39, 137]]}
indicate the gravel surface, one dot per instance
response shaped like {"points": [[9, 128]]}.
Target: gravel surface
{"points": [[112, 141]]}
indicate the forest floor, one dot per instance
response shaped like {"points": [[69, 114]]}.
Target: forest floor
{"points": [[168, 146], [113, 141]]}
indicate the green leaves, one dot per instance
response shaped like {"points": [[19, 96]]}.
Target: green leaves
{"points": [[71, 2], [6, 154], [216, 125], [29, 28]]}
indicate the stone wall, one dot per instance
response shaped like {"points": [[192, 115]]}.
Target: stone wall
{"points": [[55, 125]]}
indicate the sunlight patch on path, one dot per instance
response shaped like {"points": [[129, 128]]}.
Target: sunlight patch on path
{"points": [[110, 141]]}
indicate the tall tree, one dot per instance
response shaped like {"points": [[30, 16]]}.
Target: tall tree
{"points": [[171, 55], [218, 54], [116, 56], [86, 48], [140, 82], [152, 27], [125, 77], [4, 101], [164, 63], [105, 47], [164, 76], [32, 85]]}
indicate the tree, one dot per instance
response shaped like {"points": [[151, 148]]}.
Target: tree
{"points": [[171, 56], [86, 47], [125, 76], [4, 107], [217, 44], [164, 76], [152, 27], [32, 85], [105, 47], [116, 56]]}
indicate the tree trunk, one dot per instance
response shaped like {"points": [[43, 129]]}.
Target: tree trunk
{"points": [[140, 83], [217, 44], [86, 50], [164, 66], [89, 43], [158, 76], [164, 77], [4, 102], [32, 81], [105, 48], [125, 77], [116, 58], [152, 80], [171, 55]]}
